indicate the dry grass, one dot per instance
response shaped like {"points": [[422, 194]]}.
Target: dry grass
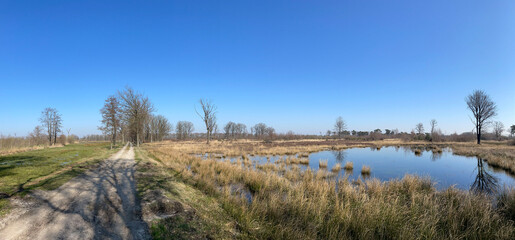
{"points": [[301, 148], [348, 166], [304, 161], [322, 163], [336, 168], [296, 204], [497, 155], [365, 170]]}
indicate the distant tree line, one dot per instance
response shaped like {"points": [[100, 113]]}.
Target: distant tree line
{"points": [[129, 116]]}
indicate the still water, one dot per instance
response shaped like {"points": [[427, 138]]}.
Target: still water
{"points": [[387, 163]]}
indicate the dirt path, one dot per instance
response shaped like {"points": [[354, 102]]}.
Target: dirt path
{"points": [[99, 204]]}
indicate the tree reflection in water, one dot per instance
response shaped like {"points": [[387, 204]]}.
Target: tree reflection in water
{"points": [[484, 182], [339, 155], [436, 155]]}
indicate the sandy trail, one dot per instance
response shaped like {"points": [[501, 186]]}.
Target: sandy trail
{"points": [[99, 204]]}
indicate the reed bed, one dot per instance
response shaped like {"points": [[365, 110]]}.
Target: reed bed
{"points": [[348, 166], [501, 156], [304, 205]]}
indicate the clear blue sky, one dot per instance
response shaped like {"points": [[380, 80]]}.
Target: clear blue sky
{"points": [[295, 65]]}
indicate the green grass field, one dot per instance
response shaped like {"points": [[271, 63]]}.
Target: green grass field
{"points": [[46, 168]]}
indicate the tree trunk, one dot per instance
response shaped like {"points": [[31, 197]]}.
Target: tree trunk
{"points": [[49, 137], [113, 141], [478, 129]]}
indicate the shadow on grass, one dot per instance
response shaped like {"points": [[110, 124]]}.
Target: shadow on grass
{"points": [[103, 200]]}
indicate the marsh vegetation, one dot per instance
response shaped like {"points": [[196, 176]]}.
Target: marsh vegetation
{"points": [[289, 201]]}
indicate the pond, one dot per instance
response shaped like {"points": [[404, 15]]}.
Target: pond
{"points": [[444, 168], [387, 163]]}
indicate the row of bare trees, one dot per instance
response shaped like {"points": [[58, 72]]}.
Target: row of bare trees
{"points": [[262, 130], [129, 114], [184, 129], [157, 128], [234, 130]]}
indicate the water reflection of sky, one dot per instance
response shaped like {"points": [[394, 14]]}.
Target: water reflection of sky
{"points": [[388, 163]]}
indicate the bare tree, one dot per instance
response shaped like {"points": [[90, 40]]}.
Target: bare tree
{"points": [[150, 128], [259, 129], [433, 123], [230, 129], [241, 129], [419, 128], [37, 135], [339, 126], [214, 133], [270, 132], [512, 130], [57, 124], [234, 130], [68, 135], [208, 116], [110, 118], [183, 129], [123, 130], [46, 121], [161, 127], [482, 108], [136, 110], [51, 120], [498, 129], [328, 133]]}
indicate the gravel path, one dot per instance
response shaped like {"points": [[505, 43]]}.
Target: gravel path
{"points": [[99, 204]]}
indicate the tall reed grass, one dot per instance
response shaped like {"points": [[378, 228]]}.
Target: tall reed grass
{"points": [[299, 204]]}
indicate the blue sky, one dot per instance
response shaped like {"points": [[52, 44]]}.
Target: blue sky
{"points": [[295, 65]]}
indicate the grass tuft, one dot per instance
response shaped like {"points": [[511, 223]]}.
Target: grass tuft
{"points": [[365, 170], [322, 163], [336, 168], [348, 166]]}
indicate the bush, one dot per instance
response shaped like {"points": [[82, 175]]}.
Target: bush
{"points": [[62, 139]]}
